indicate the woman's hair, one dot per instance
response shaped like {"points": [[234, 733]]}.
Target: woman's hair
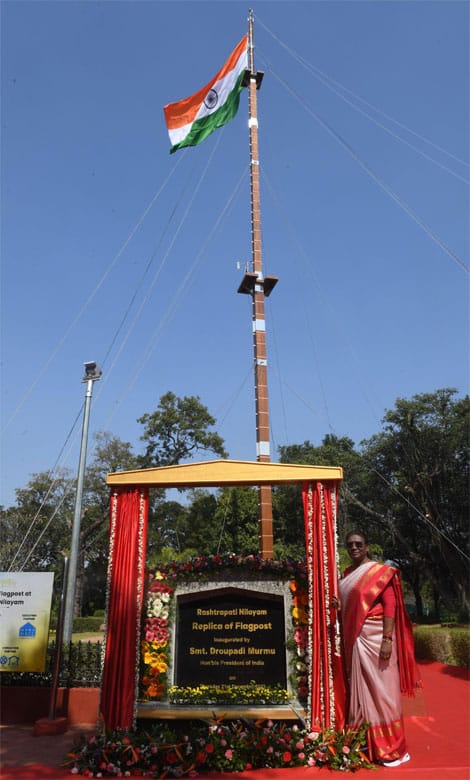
{"points": [[357, 533]]}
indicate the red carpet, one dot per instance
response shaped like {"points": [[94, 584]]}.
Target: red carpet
{"points": [[437, 727]]}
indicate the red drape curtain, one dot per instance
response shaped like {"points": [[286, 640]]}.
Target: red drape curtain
{"points": [[327, 684], [125, 590]]}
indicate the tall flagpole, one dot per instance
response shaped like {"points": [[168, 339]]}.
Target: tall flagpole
{"points": [[258, 286]]}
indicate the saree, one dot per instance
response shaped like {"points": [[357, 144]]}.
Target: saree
{"points": [[376, 685]]}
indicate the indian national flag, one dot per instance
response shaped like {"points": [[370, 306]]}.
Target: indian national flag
{"points": [[191, 120]]}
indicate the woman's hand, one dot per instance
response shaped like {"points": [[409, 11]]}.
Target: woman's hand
{"points": [[335, 603], [385, 649]]}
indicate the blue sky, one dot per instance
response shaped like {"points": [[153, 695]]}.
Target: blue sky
{"points": [[116, 251]]}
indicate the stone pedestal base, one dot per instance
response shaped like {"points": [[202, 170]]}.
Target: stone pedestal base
{"points": [[47, 727]]}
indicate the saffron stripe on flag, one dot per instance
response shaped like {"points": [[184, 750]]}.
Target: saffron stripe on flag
{"points": [[184, 112]]}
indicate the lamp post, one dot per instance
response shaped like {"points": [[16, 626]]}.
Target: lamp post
{"points": [[92, 374]]}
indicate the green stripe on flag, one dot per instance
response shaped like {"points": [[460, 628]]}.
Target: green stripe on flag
{"points": [[201, 128]]}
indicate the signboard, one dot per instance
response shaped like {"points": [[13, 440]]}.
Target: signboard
{"points": [[25, 608], [230, 636]]}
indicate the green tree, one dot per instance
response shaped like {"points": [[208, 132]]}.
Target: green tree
{"points": [[237, 520], [110, 454], [287, 501], [210, 522], [167, 531], [419, 476], [176, 430], [202, 533], [35, 532]]}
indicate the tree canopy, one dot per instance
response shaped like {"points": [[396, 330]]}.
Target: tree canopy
{"points": [[176, 430], [419, 479], [406, 487]]}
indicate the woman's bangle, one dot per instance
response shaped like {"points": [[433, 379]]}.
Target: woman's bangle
{"points": [[387, 636]]}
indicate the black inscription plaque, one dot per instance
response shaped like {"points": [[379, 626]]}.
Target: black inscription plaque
{"points": [[230, 636]]}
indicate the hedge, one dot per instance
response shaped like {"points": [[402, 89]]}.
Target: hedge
{"points": [[82, 625], [85, 625], [446, 644]]}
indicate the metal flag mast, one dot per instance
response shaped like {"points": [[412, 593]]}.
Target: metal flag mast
{"points": [[259, 287]]}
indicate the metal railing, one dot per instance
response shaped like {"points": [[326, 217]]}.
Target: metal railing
{"points": [[80, 667]]}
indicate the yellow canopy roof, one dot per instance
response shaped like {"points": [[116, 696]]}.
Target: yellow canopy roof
{"points": [[215, 473]]}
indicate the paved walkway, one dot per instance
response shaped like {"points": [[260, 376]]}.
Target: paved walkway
{"points": [[19, 746]]}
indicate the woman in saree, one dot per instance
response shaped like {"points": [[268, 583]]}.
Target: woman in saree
{"points": [[379, 651]]}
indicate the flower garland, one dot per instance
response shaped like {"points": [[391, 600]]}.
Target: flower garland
{"points": [[326, 580], [205, 567], [300, 622], [154, 646], [112, 537], [310, 569], [140, 590]]}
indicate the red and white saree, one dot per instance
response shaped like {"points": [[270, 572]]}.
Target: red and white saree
{"points": [[375, 685]]}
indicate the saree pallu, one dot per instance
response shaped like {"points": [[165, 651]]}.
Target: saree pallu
{"points": [[374, 684]]}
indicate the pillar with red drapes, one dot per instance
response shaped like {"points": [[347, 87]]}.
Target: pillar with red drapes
{"points": [[125, 593], [327, 683]]}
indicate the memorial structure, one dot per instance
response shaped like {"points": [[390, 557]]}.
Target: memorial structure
{"points": [[226, 632]]}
